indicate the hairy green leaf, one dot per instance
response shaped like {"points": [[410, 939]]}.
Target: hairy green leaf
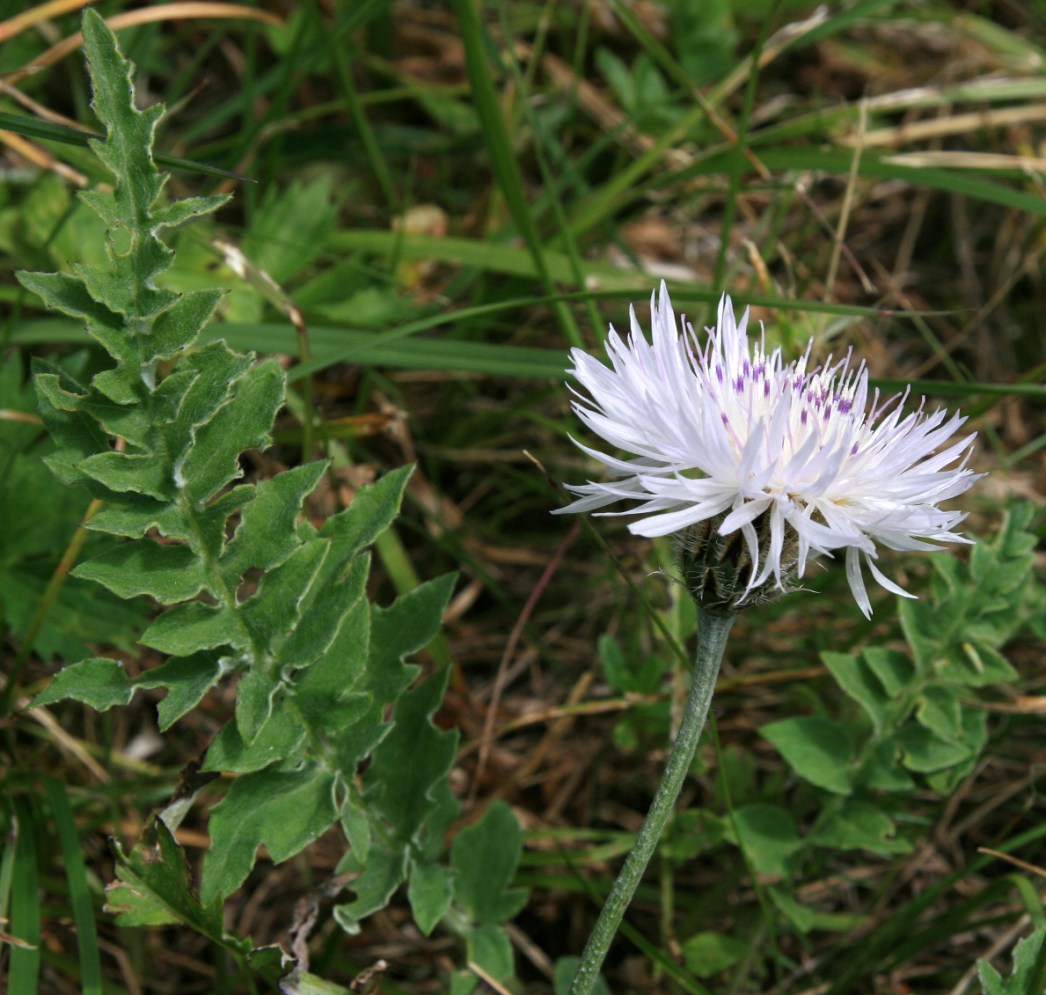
{"points": [[927, 726], [384, 873], [266, 535], [129, 422], [370, 514], [324, 610], [96, 682], [883, 771], [187, 680], [243, 423], [485, 857], [83, 614], [489, 947], [401, 629], [142, 474], [356, 827], [166, 573], [284, 810], [859, 681], [940, 710], [894, 670], [75, 434], [817, 748], [272, 614], [191, 627], [429, 894], [768, 836], [280, 739], [255, 695], [860, 826], [925, 752], [408, 764]]}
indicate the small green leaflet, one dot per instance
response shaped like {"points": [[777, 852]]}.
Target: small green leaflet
{"points": [[1029, 969]]}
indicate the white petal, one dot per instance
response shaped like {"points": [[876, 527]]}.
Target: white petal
{"points": [[886, 582], [853, 575]]}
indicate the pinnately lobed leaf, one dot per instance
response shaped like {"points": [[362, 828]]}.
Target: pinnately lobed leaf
{"points": [[252, 591]]}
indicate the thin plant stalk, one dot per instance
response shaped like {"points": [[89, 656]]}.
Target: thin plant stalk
{"points": [[713, 632]]}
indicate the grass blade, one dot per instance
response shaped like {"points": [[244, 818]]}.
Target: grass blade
{"points": [[25, 905], [79, 892], [503, 156]]}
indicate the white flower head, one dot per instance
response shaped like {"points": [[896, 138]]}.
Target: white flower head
{"points": [[783, 463]]}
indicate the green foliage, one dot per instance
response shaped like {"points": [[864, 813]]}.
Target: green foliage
{"points": [[284, 810], [153, 888], [706, 954], [484, 859], [1029, 969], [254, 593], [81, 613], [640, 89], [768, 834], [924, 724], [49, 225], [705, 37], [817, 748], [644, 722]]}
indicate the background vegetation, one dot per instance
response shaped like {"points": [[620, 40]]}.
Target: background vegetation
{"points": [[442, 199]]}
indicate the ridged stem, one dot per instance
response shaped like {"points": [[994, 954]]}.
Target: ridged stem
{"points": [[712, 636]]}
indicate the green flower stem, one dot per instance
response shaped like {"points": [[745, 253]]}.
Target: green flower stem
{"points": [[713, 633]]}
